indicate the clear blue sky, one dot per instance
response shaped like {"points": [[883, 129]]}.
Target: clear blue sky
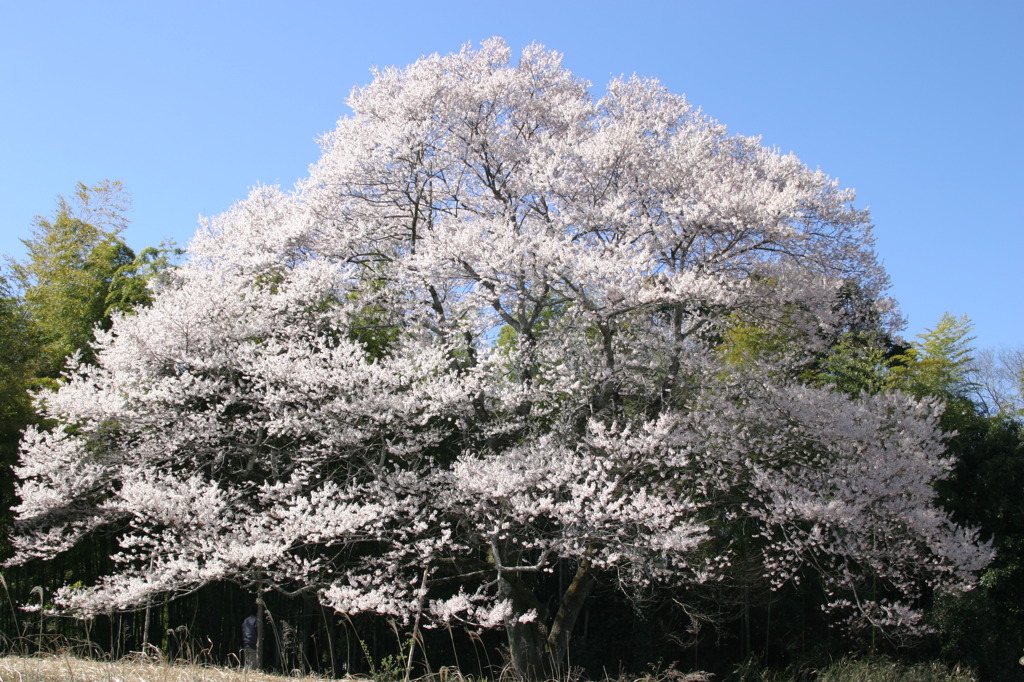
{"points": [[917, 105]]}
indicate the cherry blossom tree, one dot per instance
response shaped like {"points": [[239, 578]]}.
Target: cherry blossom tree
{"points": [[489, 336]]}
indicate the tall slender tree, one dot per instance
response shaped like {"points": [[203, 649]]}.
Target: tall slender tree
{"points": [[77, 271]]}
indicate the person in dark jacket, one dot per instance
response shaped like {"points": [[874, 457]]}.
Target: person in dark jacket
{"points": [[250, 639]]}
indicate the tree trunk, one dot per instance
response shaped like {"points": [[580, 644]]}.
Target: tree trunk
{"points": [[526, 640], [538, 653], [259, 633], [526, 645], [568, 613]]}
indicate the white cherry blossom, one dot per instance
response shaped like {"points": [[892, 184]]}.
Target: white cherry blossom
{"points": [[482, 338]]}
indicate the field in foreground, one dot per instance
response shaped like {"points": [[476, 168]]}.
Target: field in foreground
{"points": [[66, 668], [70, 669]]}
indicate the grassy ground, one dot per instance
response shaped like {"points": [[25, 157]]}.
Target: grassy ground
{"points": [[868, 670], [68, 668], [58, 668]]}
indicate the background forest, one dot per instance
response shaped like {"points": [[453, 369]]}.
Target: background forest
{"points": [[79, 275]]}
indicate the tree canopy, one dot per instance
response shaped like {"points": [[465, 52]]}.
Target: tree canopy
{"points": [[505, 326]]}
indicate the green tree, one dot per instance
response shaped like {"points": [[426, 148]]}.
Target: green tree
{"points": [[985, 627], [940, 363], [130, 284], [859, 362], [78, 271], [19, 349]]}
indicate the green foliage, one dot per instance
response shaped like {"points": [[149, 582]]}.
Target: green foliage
{"points": [[391, 667], [19, 350], [372, 327], [985, 627], [744, 343], [858, 363], [129, 285], [940, 363], [19, 346], [58, 285], [78, 272]]}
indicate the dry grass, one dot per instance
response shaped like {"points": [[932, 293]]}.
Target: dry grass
{"points": [[66, 668]]}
